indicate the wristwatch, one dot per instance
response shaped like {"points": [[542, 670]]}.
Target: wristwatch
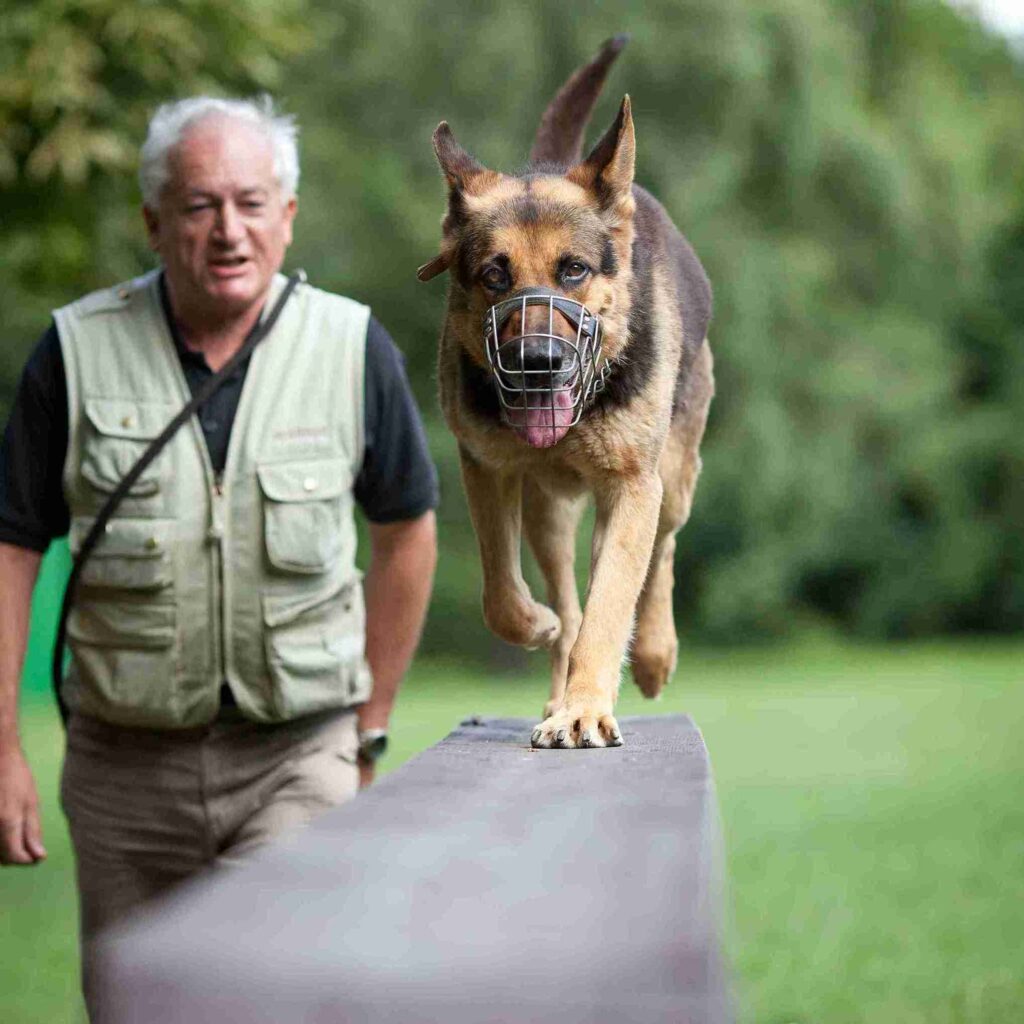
{"points": [[372, 744]]}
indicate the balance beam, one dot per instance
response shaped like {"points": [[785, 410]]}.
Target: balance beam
{"points": [[481, 882]]}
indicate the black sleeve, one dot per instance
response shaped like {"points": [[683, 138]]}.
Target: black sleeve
{"points": [[35, 443], [398, 479]]}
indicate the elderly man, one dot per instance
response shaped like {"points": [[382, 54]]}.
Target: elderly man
{"points": [[220, 685]]}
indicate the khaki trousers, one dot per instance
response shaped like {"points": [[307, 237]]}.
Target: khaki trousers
{"points": [[148, 808]]}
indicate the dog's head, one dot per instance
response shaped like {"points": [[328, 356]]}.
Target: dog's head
{"points": [[540, 268]]}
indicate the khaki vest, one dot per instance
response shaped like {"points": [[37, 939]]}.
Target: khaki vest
{"points": [[248, 579]]}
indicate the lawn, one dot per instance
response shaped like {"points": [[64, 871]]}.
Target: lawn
{"points": [[873, 819]]}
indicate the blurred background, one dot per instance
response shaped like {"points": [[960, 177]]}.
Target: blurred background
{"points": [[851, 585]]}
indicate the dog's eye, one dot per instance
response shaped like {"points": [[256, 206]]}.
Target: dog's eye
{"points": [[575, 271], [494, 277]]}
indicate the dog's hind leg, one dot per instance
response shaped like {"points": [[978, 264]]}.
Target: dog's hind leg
{"points": [[495, 506], [655, 647], [550, 522]]}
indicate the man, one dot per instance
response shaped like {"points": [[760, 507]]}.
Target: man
{"points": [[220, 680]]}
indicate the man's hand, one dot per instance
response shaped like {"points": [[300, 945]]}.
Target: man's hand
{"points": [[21, 837], [403, 555], [21, 840]]}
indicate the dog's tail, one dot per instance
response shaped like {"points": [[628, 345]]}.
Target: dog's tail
{"points": [[560, 136]]}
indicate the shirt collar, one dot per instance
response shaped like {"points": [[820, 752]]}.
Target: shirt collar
{"points": [[185, 353]]}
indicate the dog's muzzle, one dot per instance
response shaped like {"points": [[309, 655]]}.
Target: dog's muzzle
{"points": [[544, 380]]}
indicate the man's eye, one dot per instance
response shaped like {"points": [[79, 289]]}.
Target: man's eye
{"points": [[494, 277], [575, 271]]}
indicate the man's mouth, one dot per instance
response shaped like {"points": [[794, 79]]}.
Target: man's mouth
{"points": [[227, 265]]}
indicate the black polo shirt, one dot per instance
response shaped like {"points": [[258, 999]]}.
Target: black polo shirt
{"points": [[397, 479]]}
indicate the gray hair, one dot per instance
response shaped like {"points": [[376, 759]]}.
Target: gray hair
{"points": [[171, 120]]}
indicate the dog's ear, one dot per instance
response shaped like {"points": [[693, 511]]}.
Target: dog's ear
{"points": [[608, 170], [459, 167], [438, 265]]}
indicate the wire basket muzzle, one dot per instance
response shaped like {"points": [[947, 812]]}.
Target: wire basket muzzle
{"points": [[540, 369]]}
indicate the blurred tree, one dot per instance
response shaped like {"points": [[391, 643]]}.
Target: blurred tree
{"points": [[850, 171], [844, 169], [78, 79]]}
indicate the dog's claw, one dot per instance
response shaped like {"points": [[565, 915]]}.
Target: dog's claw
{"points": [[582, 729]]}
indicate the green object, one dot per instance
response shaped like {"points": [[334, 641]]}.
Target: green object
{"points": [[53, 574], [247, 577]]}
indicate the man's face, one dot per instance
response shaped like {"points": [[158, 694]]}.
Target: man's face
{"points": [[223, 224]]}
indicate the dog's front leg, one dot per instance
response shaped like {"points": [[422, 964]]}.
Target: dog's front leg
{"points": [[495, 506], [627, 519]]}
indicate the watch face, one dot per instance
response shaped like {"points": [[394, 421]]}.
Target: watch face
{"points": [[372, 748]]}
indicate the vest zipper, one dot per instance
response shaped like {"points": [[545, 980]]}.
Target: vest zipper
{"points": [[217, 532]]}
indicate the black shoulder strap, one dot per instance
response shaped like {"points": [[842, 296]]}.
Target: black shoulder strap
{"points": [[99, 526]]}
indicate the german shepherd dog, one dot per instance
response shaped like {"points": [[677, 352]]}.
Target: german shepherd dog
{"points": [[574, 359]]}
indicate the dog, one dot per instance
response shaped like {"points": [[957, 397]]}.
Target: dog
{"points": [[574, 360]]}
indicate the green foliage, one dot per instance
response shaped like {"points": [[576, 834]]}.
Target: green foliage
{"points": [[78, 80], [850, 172]]}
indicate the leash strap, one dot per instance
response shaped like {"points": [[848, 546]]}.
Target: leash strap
{"points": [[99, 526]]}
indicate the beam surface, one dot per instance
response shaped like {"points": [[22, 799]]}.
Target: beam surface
{"points": [[481, 882]]}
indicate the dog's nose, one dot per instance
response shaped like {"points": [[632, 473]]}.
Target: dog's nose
{"points": [[541, 354]]}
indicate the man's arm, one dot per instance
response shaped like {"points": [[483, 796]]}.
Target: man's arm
{"points": [[403, 555], [21, 840]]}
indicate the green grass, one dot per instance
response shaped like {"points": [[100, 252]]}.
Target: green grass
{"points": [[872, 812]]}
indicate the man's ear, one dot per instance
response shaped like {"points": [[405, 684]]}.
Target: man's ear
{"points": [[152, 219], [608, 170]]}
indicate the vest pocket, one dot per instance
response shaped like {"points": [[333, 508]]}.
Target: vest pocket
{"points": [[118, 432], [302, 511], [124, 660], [132, 555], [314, 647]]}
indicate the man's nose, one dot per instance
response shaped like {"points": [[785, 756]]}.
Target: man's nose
{"points": [[229, 224]]}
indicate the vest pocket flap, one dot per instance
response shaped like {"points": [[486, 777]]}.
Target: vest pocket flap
{"points": [[133, 554], [122, 624], [104, 471], [125, 538], [312, 480], [136, 421], [281, 609]]}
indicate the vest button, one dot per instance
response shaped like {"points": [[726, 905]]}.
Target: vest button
{"points": [[127, 421], [309, 484], [152, 544]]}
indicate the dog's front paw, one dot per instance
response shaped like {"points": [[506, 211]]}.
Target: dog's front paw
{"points": [[527, 623], [577, 727]]}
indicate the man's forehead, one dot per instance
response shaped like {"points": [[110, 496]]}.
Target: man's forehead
{"points": [[222, 150]]}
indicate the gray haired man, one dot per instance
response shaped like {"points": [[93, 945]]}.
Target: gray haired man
{"points": [[222, 645]]}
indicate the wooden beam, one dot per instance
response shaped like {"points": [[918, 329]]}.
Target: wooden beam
{"points": [[483, 881]]}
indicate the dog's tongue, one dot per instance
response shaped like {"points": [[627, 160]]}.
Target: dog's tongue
{"points": [[543, 428]]}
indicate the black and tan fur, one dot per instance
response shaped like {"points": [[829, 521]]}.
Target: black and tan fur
{"points": [[635, 449]]}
